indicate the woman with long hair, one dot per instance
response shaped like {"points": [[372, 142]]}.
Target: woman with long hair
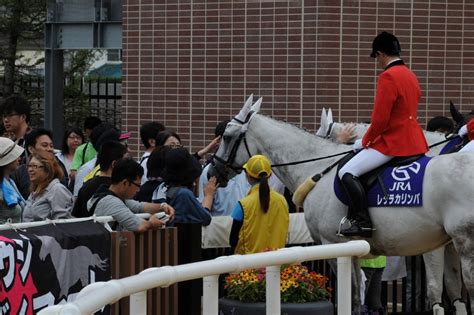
{"points": [[260, 220], [11, 201], [49, 199]]}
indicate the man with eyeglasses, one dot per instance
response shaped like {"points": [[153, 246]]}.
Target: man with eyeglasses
{"points": [[116, 200], [16, 113]]}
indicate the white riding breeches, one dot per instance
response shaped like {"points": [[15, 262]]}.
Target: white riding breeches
{"points": [[364, 161], [469, 147]]}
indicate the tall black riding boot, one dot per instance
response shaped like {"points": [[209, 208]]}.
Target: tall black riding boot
{"points": [[359, 216]]}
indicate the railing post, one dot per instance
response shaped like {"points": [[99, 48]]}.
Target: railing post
{"points": [[273, 290], [210, 295], [138, 303], [344, 300]]}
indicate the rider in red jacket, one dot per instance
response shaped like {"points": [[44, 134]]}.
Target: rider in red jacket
{"points": [[468, 130], [394, 129]]}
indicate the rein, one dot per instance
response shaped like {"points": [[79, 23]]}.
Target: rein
{"points": [[312, 160], [444, 141], [242, 137]]}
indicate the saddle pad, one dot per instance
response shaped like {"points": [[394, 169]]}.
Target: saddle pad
{"points": [[403, 184], [452, 146]]}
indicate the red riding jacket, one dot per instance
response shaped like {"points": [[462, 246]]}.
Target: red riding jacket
{"points": [[394, 129], [470, 129]]}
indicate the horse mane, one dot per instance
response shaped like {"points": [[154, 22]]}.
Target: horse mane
{"points": [[309, 135], [287, 122]]}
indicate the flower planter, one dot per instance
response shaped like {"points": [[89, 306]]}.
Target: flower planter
{"points": [[234, 307]]}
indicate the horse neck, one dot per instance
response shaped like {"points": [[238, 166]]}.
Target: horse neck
{"points": [[283, 143]]}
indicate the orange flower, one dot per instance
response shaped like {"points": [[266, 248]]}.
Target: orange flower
{"points": [[297, 285]]}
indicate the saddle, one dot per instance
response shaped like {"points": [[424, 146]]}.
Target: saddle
{"points": [[398, 183], [368, 179]]}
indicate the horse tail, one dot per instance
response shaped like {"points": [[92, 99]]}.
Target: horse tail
{"points": [[302, 191]]}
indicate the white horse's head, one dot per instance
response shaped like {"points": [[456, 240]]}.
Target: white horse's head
{"points": [[228, 160]]}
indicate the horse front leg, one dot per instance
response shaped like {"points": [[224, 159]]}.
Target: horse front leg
{"points": [[453, 278], [464, 245], [356, 286], [434, 266], [467, 262]]}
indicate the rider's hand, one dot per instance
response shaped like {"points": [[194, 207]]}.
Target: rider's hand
{"points": [[357, 145], [346, 134], [462, 131]]}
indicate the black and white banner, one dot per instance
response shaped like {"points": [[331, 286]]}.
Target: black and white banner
{"points": [[50, 264]]}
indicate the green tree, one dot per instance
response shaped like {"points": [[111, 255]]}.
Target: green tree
{"points": [[21, 22]]}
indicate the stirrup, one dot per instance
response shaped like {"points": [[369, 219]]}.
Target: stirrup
{"points": [[363, 231], [341, 223]]}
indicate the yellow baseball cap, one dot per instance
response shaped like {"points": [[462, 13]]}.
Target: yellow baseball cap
{"points": [[257, 165]]}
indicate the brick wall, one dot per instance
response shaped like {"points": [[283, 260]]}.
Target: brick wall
{"points": [[192, 63]]}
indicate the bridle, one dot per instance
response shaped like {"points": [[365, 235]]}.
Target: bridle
{"points": [[329, 132], [229, 163]]}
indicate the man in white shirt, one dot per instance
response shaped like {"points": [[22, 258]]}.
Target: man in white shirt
{"points": [[148, 133]]}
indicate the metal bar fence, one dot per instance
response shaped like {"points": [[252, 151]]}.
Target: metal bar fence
{"points": [[101, 97]]}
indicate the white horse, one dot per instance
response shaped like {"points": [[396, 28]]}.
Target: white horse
{"points": [[443, 260], [447, 212]]}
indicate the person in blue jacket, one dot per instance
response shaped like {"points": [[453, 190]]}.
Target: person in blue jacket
{"points": [[180, 175]]}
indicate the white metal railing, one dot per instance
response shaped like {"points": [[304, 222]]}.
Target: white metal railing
{"points": [[25, 225], [215, 235], [96, 295]]}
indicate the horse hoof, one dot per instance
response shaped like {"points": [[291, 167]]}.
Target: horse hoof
{"points": [[460, 308], [438, 310]]}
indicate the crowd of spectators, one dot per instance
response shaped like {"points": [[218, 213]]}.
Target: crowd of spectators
{"points": [[91, 173]]}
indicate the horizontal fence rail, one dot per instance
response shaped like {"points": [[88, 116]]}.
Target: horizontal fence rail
{"points": [[97, 295], [25, 225]]}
